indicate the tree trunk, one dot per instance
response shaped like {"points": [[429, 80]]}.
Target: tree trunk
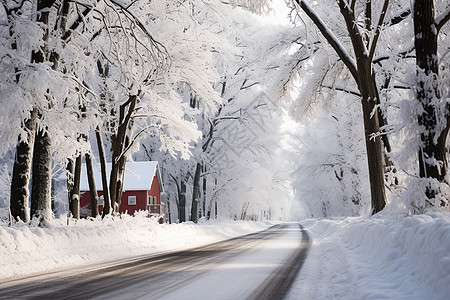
{"points": [[182, 202], [102, 157], [373, 145], [121, 176], [119, 143], [73, 184], [196, 193], [42, 177], [432, 156], [70, 175], [369, 93], [92, 187], [21, 172], [364, 49], [42, 156], [204, 192], [168, 212]]}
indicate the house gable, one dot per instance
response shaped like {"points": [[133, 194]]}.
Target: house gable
{"points": [[141, 181]]}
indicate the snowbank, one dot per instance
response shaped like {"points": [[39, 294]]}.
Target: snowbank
{"points": [[377, 258], [28, 250], [381, 257]]}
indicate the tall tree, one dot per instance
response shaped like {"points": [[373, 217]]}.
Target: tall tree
{"points": [[92, 185], [435, 116], [361, 68], [42, 154], [21, 172], [19, 196]]}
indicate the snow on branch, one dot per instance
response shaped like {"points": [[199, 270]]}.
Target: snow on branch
{"points": [[161, 54], [374, 41], [399, 18], [258, 6], [402, 54], [126, 10], [330, 37]]}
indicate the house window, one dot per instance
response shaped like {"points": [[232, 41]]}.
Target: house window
{"points": [[101, 200], [131, 200], [151, 200]]}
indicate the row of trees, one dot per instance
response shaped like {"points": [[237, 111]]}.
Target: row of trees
{"points": [[94, 68], [107, 80], [372, 50], [220, 175], [188, 84]]}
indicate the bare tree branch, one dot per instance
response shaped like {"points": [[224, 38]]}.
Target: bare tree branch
{"points": [[343, 90], [442, 19]]}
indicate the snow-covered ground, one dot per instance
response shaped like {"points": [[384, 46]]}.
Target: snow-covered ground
{"points": [[26, 250], [381, 257], [377, 258]]}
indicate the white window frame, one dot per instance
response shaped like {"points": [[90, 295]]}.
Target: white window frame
{"points": [[131, 200], [101, 201]]}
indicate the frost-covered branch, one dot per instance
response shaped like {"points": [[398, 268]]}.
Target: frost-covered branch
{"points": [[330, 37], [399, 18], [403, 54], [374, 41], [80, 19], [126, 11]]}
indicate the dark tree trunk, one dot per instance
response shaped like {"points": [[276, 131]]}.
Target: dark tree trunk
{"points": [[204, 192], [196, 193], [21, 172], [119, 144], [369, 94], [92, 187], [432, 156], [373, 145], [102, 157], [42, 177], [70, 175], [119, 187], [182, 202], [168, 209], [73, 185]]}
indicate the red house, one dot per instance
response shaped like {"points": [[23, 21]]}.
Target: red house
{"points": [[142, 188]]}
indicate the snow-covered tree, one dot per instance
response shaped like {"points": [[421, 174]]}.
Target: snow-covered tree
{"points": [[434, 117], [364, 32]]}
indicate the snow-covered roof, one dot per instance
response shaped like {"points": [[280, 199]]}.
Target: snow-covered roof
{"points": [[138, 176]]}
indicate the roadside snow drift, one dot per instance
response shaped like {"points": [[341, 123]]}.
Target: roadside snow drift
{"points": [[377, 258], [380, 257], [28, 250]]}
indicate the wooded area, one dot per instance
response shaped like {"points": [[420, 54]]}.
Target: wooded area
{"points": [[205, 88]]}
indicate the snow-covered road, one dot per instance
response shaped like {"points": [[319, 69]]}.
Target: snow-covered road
{"points": [[255, 266]]}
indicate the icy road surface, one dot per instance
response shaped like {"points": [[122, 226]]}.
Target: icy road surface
{"points": [[261, 265]]}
